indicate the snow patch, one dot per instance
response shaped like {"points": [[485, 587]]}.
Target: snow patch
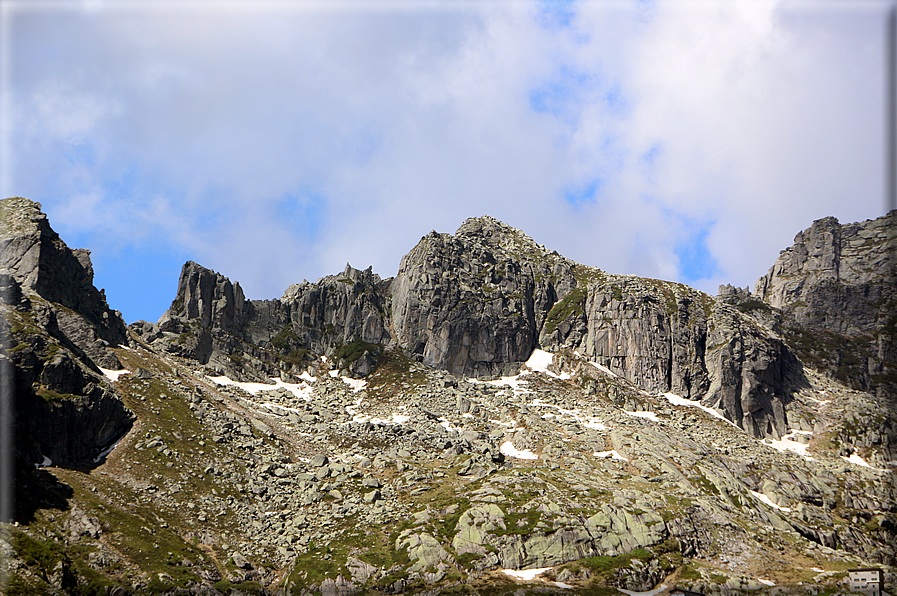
{"points": [[300, 390], [768, 501], [677, 400], [588, 422], [613, 454], [508, 449], [641, 414], [540, 360], [107, 450], [46, 462], [113, 375], [857, 460], [766, 582], [281, 410], [447, 424], [514, 382], [356, 384], [526, 575], [604, 369], [787, 444], [821, 402], [394, 418]]}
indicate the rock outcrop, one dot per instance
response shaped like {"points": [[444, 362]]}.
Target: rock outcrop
{"points": [[837, 290], [335, 311], [60, 332], [473, 303], [479, 302], [34, 256], [418, 480], [211, 321]]}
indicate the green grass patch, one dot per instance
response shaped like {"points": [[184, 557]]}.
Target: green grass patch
{"points": [[603, 564], [467, 559], [50, 396], [573, 304], [689, 572], [225, 587], [519, 522], [19, 347], [44, 554], [752, 304], [284, 339], [352, 351]]}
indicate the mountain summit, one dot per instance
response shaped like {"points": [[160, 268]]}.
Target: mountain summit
{"points": [[494, 419], [478, 303]]}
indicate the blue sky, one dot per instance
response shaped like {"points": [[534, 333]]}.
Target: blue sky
{"points": [[274, 141]]}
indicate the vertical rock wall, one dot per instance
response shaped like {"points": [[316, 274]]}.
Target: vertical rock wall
{"points": [[839, 283], [60, 329]]}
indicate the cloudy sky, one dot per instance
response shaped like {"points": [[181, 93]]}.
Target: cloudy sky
{"points": [[276, 141]]}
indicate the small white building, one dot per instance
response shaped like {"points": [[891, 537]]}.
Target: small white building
{"points": [[866, 581]]}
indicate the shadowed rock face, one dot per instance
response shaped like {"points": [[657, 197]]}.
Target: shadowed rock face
{"points": [[211, 321], [473, 303], [835, 276], [840, 282], [209, 297], [478, 303], [40, 263], [60, 329]]}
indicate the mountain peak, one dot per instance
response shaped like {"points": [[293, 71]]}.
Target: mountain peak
{"points": [[17, 214], [494, 232], [602, 442], [33, 255]]}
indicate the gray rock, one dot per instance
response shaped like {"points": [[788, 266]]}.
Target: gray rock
{"points": [[423, 550], [33, 255], [838, 281], [318, 460], [240, 561]]}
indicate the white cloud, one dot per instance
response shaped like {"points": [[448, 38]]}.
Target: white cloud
{"points": [[276, 142]]}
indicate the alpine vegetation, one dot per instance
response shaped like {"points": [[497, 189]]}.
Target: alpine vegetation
{"points": [[495, 419]]}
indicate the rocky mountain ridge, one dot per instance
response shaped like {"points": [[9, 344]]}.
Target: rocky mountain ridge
{"points": [[494, 408], [840, 282], [478, 303], [62, 331]]}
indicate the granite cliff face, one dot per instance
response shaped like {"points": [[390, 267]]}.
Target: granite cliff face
{"points": [[60, 332], [839, 282], [211, 321], [40, 263], [479, 302], [645, 433], [473, 303]]}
